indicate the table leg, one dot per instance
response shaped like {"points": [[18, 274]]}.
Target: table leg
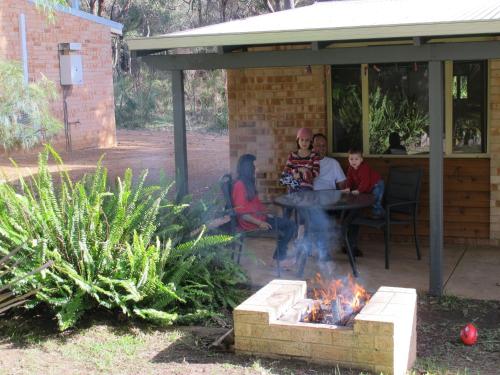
{"points": [[304, 245], [345, 230]]}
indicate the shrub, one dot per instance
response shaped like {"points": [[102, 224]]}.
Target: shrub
{"points": [[105, 251], [25, 118], [10, 276], [142, 100]]}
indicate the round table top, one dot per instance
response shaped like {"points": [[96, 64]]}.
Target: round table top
{"points": [[325, 199]]}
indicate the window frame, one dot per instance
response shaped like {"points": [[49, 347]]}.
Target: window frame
{"points": [[448, 115]]}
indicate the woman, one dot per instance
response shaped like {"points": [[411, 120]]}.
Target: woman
{"points": [[252, 214]]}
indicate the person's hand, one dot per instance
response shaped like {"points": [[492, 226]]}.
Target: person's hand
{"points": [[346, 190], [296, 175], [264, 225], [355, 192]]}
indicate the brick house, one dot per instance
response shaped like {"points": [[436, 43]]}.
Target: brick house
{"points": [[27, 36], [299, 68]]}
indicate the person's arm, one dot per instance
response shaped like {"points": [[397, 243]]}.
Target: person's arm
{"points": [[241, 208], [340, 180], [291, 168], [288, 165], [260, 223], [341, 185], [315, 164], [349, 181], [364, 174]]}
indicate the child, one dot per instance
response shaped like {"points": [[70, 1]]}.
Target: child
{"points": [[301, 168], [302, 165], [363, 179], [252, 213]]}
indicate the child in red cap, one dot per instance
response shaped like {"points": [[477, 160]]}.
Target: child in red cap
{"points": [[301, 168], [302, 165]]}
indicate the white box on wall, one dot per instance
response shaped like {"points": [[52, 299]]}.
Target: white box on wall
{"points": [[71, 69]]}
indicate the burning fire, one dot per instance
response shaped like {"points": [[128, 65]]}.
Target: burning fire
{"points": [[335, 301]]}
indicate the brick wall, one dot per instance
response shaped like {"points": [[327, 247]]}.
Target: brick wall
{"points": [[91, 103], [494, 134], [266, 107]]}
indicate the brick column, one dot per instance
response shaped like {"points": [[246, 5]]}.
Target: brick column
{"points": [[494, 134]]}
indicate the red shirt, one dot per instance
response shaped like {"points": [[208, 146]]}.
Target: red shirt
{"points": [[243, 206], [362, 179]]}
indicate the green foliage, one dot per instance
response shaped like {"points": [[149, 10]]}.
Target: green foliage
{"points": [[206, 102], [402, 115], [9, 277], [105, 254], [144, 100], [47, 7], [25, 118], [141, 100], [348, 109]]}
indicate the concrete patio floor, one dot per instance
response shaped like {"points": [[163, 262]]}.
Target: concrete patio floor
{"points": [[469, 271]]}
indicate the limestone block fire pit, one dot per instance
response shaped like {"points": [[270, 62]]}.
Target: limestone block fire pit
{"points": [[381, 339]]}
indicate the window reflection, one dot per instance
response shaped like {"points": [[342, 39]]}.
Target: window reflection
{"points": [[347, 107], [399, 107], [469, 106]]}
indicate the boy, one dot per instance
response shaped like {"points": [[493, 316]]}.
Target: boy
{"points": [[363, 179]]}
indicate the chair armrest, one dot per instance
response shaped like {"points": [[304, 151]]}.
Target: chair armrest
{"points": [[397, 204], [212, 224]]}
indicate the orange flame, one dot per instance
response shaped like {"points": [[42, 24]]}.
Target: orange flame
{"points": [[349, 298]]}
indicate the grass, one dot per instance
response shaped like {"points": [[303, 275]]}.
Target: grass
{"points": [[430, 366], [29, 344]]}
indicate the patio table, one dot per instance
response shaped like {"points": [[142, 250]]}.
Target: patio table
{"points": [[327, 200]]}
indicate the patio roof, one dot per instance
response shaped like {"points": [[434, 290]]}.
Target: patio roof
{"points": [[341, 21], [434, 26]]}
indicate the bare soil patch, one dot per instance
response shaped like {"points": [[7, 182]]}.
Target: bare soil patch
{"points": [[208, 158]]}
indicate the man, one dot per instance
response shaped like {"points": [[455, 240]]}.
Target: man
{"points": [[331, 175]]}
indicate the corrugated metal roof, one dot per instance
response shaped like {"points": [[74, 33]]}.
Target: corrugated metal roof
{"points": [[342, 20]]}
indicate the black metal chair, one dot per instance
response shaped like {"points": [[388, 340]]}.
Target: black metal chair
{"points": [[401, 201], [226, 184]]}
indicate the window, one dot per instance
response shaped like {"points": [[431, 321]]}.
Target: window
{"points": [[347, 113], [399, 104], [469, 107], [385, 107]]}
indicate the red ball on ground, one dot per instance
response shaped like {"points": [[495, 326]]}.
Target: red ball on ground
{"points": [[468, 334]]}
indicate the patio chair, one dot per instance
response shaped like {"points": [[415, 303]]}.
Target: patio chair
{"points": [[226, 184], [401, 201]]}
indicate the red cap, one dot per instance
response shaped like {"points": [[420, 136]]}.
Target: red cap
{"points": [[304, 133]]}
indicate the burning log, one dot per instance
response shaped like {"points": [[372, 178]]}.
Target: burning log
{"points": [[336, 303], [337, 311]]}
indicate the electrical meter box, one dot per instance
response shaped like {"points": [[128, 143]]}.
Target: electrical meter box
{"points": [[71, 69]]}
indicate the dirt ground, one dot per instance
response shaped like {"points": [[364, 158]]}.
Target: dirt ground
{"points": [[208, 158], [30, 345]]}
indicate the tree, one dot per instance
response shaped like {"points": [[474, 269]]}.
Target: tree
{"points": [[25, 118]]}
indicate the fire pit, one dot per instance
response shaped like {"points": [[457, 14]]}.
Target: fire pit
{"points": [[379, 337]]}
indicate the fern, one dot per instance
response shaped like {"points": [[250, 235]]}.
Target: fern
{"points": [[125, 249]]}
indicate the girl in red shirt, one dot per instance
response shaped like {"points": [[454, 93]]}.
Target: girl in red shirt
{"points": [[252, 214]]}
